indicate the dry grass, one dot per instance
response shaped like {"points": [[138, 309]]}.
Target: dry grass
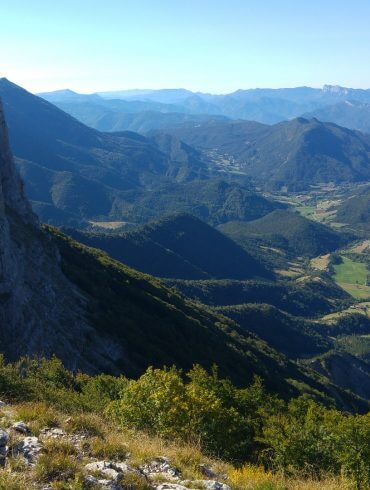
{"points": [[38, 415], [61, 462], [321, 262], [86, 423], [111, 446], [11, 481], [251, 477], [55, 465]]}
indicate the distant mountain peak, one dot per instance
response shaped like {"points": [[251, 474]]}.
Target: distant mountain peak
{"points": [[65, 91], [336, 89]]}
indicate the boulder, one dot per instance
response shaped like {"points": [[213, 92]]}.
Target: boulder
{"points": [[21, 427], [105, 468], [160, 467], [4, 438], [207, 484], [29, 448]]}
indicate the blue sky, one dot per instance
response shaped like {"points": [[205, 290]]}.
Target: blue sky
{"points": [[208, 45]]}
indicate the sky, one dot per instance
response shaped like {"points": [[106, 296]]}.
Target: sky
{"points": [[215, 46]]}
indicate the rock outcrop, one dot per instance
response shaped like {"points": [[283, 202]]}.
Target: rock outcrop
{"points": [[41, 312]]}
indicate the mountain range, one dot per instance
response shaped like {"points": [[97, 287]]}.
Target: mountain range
{"points": [[73, 173], [263, 105], [352, 114], [55, 290], [294, 155]]}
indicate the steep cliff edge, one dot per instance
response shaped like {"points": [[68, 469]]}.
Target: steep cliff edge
{"points": [[41, 312]]}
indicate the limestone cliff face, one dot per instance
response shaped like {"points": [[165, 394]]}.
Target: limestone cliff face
{"points": [[41, 312]]}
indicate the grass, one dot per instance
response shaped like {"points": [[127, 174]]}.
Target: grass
{"points": [[61, 462], [38, 415], [358, 345], [110, 447], [321, 262], [10, 481], [306, 211], [56, 465], [352, 277], [358, 308], [85, 423], [361, 247]]}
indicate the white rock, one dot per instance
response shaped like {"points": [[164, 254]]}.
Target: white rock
{"points": [[105, 468], [29, 448], [2, 404], [171, 486], [160, 467], [122, 467], [95, 482], [21, 427], [208, 484], [110, 469]]}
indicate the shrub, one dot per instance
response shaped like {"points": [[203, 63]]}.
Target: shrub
{"points": [[98, 391], [223, 419], [86, 423]]}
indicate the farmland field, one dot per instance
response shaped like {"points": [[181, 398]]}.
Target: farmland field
{"points": [[352, 277]]}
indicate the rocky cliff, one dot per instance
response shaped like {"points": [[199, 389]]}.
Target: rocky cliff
{"points": [[41, 312]]}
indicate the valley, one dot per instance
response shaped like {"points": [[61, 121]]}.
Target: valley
{"points": [[199, 241]]}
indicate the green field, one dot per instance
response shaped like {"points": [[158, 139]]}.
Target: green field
{"points": [[306, 211], [352, 277], [358, 345]]}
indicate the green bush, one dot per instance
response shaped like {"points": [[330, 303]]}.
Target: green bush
{"points": [[308, 437], [205, 409], [242, 425]]}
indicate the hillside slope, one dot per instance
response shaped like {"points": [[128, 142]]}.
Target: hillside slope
{"points": [[288, 230], [179, 247], [350, 114], [355, 211], [73, 172], [294, 154], [311, 298], [293, 336]]}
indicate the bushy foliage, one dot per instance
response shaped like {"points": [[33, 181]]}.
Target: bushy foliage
{"points": [[202, 408], [301, 437], [47, 380], [308, 437], [245, 425]]}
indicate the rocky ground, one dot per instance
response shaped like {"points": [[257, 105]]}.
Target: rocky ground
{"points": [[43, 460]]}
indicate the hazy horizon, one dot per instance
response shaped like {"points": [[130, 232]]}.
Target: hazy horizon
{"points": [[144, 89]]}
